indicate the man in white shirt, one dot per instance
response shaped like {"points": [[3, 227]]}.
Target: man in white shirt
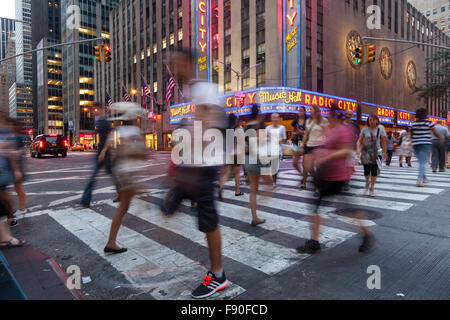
{"points": [[277, 131], [438, 148]]}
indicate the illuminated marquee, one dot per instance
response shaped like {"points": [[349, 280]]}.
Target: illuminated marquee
{"points": [[281, 100], [203, 38], [385, 114], [437, 120], [405, 118]]}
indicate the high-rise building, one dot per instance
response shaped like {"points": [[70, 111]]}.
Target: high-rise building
{"points": [[47, 67], [20, 94], [7, 29], [7, 75], [78, 64], [437, 11]]}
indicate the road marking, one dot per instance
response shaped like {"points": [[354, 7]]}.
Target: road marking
{"points": [[165, 273], [390, 194], [256, 253], [329, 237]]}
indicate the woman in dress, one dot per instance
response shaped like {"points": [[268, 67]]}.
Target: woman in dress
{"points": [[406, 148]]}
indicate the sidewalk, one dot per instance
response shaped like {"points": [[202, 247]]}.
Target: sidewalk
{"points": [[36, 275]]}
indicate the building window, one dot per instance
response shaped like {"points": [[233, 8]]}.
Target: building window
{"points": [[155, 86]]}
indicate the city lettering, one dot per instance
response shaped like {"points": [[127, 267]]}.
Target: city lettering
{"points": [[202, 30]]}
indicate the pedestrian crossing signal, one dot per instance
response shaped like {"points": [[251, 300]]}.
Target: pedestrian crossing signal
{"points": [[107, 53], [98, 53], [371, 52]]}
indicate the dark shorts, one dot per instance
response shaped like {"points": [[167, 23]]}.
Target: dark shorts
{"points": [[328, 188], [197, 184], [310, 150], [371, 170]]}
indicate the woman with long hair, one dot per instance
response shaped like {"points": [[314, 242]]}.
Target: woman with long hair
{"points": [[371, 147], [421, 141], [313, 139], [299, 125], [255, 170]]}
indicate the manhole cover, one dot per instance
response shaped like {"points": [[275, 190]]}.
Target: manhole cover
{"points": [[353, 213]]}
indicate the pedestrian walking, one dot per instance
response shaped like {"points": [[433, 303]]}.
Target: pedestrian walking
{"points": [[20, 153], [438, 149], [9, 173], [255, 170], [391, 142], [447, 155], [331, 175], [277, 133], [103, 130], [195, 180], [313, 139], [371, 149], [421, 141], [128, 159], [406, 148], [348, 121], [299, 125], [235, 168]]}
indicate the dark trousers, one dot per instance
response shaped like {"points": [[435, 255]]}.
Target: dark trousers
{"points": [[438, 155], [87, 194], [390, 153]]}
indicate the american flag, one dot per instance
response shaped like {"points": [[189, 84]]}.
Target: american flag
{"points": [[109, 102], [145, 90], [170, 86], [126, 97]]}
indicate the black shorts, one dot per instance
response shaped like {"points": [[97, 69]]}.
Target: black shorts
{"points": [[309, 150], [371, 170], [328, 188], [197, 184]]}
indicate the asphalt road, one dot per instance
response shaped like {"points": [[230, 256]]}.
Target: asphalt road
{"points": [[167, 256]]}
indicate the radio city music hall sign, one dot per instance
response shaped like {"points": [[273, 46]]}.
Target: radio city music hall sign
{"points": [[203, 36], [291, 16]]}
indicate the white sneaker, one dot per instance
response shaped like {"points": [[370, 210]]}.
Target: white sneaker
{"points": [[372, 193], [20, 212]]}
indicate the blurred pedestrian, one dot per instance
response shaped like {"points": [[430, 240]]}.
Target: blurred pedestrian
{"points": [[9, 173], [195, 180], [371, 148], [299, 125], [331, 175], [421, 141], [439, 148], [448, 149], [313, 139], [391, 141], [20, 136], [255, 170], [103, 130], [128, 159], [235, 168], [277, 132], [406, 148]]}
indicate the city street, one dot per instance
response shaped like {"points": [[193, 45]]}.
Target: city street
{"points": [[168, 257]]}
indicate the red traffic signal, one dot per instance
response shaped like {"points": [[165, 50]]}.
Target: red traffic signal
{"points": [[30, 131], [155, 118], [107, 48]]}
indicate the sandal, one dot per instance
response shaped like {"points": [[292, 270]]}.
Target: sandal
{"points": [[9, 244], [255, 223], [239, 194], [115, 251], [13, 223]]}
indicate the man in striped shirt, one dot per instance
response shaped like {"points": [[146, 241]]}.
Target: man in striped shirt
{"points": [[421, 141]]}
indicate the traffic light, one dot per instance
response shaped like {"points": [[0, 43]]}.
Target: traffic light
{"points": [[358, 56], [371, 52], [107, 53], [155, 117], [98, 53]]}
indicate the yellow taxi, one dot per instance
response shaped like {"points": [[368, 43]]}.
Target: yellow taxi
{"points": [[78, 147]]}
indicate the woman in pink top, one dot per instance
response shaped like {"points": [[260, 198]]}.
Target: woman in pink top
{"points": [[333, 171]]}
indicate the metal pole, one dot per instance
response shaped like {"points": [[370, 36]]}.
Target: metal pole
{"points": [[406, 41], [50, 47], [153, 121]]}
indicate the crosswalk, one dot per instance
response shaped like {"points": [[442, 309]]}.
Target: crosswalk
{"points": [[168, 255]]}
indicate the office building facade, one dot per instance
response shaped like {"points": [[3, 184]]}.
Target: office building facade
{"points": [[7, 75], [437, 11], [78, 64], [7, 30]]}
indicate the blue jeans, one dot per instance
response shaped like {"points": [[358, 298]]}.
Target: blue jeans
{"points": [[422, 152], [87, 195]]}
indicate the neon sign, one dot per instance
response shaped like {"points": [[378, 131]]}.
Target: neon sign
{"points": [[203, 38], [385, 114], [292, 15], [437, 120], [405, 118]]}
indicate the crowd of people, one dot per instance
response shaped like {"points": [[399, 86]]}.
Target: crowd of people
{"points": [[326, 149]]}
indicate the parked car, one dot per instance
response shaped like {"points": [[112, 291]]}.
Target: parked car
{"points": [[49, 144], [78, 147]]}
